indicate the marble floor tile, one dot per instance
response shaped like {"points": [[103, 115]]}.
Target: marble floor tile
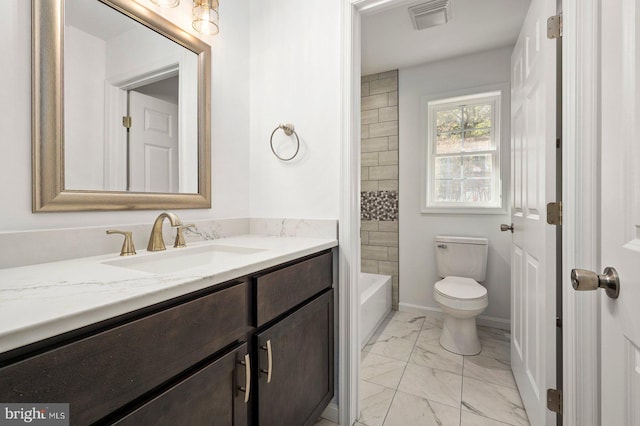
{"points": [[434, 385], [374, 403], [407, 317], [325, 422], [402, 329], [493, 401], [430, 335], [432, 320], [494, 333], [381, 370], [431, 354], [489, 369], [407, 409], [390, 346], [470, 419], [497, 349], [431, 385]]}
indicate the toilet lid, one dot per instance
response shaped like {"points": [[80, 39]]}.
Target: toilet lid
{"points": [[460, 288]]}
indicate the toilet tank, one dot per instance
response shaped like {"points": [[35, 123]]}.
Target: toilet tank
{"points": [[461, 257]]}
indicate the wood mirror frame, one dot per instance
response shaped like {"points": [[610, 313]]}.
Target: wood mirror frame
{"points": [[49, 193]]}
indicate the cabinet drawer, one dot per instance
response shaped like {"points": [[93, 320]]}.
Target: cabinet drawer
{"points": [[210, 396], [281, 290], [103, 372]]}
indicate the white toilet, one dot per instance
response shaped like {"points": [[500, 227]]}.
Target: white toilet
{"points": [[462, 262]]}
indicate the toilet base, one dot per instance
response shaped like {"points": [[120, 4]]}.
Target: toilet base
{"points": [[460, 336]]}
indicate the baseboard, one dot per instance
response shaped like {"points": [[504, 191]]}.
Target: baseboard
{"points": [[494, 322], [331, 413], [485, 320], [419, 309]]}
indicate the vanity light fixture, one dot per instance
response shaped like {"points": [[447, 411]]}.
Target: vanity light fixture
{"points": [[205, 16], [165, 3]]}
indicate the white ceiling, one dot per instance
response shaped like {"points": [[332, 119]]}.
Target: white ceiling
{"points": [[390, 42], [97, 19]]}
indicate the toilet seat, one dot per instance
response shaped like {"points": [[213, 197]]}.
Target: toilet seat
{"points": [[460, 293]]}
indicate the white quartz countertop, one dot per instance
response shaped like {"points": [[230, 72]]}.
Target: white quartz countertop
{"points": [[44, 300]]}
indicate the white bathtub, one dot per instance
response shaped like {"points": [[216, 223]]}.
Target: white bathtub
{"points": [[375, 303]]}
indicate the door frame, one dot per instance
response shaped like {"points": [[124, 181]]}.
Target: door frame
{"points": [[349, 217], [349, 229], [581, 208], [580, 134]]}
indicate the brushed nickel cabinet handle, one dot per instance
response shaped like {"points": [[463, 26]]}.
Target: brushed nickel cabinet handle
{"points": [[269, 369], [247, 378]]}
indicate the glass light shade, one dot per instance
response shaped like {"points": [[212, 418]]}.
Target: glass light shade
{"points": [[165, 3], [205, 16]]}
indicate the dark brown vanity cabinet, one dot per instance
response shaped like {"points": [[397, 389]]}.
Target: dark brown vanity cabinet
{"points": [[105, 374], [257, 350], [294, 343]]}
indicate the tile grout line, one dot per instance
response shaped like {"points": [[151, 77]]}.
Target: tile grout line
{"points": [[401, 377]]}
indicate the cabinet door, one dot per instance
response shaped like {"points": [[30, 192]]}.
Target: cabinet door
{"points": [[106, 371], [301, 349], [210, 396]]}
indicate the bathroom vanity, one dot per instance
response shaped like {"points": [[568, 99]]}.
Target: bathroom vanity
{"points": [[257, 348]]}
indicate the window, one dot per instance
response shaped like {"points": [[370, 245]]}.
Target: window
{"points": [[463, 153]]}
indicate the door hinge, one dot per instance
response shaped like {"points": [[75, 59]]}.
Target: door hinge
{"points": [[554, 27], [554, 213], [554, 400], [126, 121]]}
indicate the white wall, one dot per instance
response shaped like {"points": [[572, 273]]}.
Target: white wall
{"points": [[230, 115], [139, 51], [295, 78], [417, 254], [133, 56], [84, 76]]}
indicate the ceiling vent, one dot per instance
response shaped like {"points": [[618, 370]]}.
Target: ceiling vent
{"points": [[430, 14]]}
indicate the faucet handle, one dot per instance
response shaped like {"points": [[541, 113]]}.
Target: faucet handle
{"points": [[179, 242], [127, 246]]}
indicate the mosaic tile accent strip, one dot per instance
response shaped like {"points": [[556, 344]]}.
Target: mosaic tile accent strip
{"points": [[379, 205]]}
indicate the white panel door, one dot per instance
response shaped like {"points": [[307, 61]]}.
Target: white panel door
{"points": [[153, 144], [533, 253], [620, 225]]}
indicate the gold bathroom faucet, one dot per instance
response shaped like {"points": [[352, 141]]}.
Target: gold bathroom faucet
{"points": [[156, 242]]}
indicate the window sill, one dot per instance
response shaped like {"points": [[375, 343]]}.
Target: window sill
{"points": [[465, 210]]}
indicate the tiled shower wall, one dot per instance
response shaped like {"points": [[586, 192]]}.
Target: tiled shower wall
{"points": [[379, 186]]}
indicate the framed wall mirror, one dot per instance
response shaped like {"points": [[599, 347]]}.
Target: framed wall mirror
{"points": [[120, 109]]}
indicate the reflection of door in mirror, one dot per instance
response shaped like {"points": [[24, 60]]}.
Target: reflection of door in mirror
{"points": [[153, 137], [108, 57]]}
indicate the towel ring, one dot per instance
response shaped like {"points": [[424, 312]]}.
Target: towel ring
{"points": [[288, 130]]}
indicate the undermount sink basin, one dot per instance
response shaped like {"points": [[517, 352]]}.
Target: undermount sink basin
{"points": [[174, 260]]}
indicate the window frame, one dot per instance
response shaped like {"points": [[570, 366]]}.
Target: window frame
{"points": [[498, 95]]}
